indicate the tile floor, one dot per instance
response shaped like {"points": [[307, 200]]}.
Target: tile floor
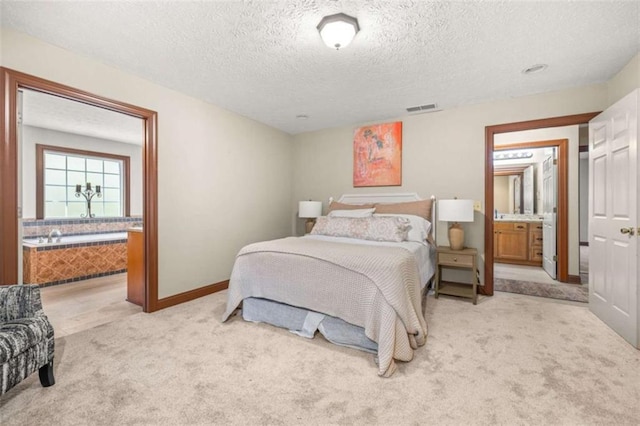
{"points": [[81, 305]]}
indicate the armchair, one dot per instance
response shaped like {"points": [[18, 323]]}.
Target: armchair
{"points": [[26, 337]]}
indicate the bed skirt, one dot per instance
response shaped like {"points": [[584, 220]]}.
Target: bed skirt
{"points": [[305, 323]]}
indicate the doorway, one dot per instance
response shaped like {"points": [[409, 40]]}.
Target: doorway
{"points": [[11, 212], [490, 134], [80, 170], [525, 194]]}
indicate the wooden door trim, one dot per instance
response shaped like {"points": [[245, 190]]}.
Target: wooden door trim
{"points": [[490, 132], [12, 81]]}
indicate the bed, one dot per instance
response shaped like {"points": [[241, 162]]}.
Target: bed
{"points": [[359, 278]]}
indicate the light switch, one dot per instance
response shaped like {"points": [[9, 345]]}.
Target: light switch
{"points": [[477, 206]]}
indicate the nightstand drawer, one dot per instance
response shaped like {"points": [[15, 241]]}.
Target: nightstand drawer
{"points": [[464, 260]]}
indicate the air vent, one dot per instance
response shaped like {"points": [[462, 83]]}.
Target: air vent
{"points": [[423, 108]]}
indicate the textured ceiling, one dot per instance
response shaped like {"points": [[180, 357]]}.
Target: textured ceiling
{"points": [[52, 112], [265, 59]]}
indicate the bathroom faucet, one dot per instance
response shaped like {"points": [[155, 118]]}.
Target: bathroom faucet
{"points": [[54, 233]]}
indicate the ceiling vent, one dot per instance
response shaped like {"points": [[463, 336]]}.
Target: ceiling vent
{"points": [[423, 108]]}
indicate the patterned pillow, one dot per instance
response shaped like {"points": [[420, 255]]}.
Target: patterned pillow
{"points": [[384, 228]]}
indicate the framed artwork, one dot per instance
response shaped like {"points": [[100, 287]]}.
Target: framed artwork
{"points": [[377, 155]]}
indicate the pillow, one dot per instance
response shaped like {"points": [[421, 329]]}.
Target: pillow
{"points": [[419, 230], [334, 205], [364, 228], [420, 208], [352, 213]]}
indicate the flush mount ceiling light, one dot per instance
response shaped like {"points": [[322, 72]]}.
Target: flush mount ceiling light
{"points": [[535, 68], [338, 30]]}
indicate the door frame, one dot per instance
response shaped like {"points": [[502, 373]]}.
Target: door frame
{"points": [[12, 81], [490, 132]]}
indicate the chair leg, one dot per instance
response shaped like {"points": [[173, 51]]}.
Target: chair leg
{"points": [[46, 375]]}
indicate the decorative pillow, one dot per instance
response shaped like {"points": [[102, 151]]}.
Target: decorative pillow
{"points": [[352, 213], [420, 208], [334, 205], [419, 230], [365, 228]]}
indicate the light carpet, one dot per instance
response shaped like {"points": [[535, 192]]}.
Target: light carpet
{"points": [[511, 359]]}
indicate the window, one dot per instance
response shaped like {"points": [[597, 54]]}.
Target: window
{"points": [[60, 169]]}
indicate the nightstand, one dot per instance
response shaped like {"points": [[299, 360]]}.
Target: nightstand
{"points": [[466, 258]]}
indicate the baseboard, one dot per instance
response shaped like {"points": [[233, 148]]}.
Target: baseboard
{"points": [[192, 294], [574, 279], [584, 243]]}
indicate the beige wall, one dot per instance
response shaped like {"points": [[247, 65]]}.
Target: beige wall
{"points": [[443, 152], [624, 82], [224, 180]]}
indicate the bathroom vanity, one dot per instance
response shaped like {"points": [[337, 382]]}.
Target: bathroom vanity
{"points": [[518, 242]]}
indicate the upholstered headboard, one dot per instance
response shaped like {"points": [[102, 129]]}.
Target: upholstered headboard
{"points": [[389, 199]]}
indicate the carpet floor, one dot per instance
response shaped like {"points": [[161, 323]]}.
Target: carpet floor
{"points": [[509, 360], [574, 292]]}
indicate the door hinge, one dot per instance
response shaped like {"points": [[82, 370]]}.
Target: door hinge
{"points": [[555, 210], [555, 258], [555, 162]]}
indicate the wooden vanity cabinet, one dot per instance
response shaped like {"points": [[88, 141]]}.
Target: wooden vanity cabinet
{"points": [[535, 242], [510, 241], [517, 242], [135, 266]]}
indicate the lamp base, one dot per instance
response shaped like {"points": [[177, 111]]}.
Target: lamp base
{"points": [[308, 225], [456, 236]]}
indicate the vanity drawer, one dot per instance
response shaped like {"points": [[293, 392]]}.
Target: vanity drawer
{"points": [[535, 254], [511, 226], [535, 238], [465, 260]]}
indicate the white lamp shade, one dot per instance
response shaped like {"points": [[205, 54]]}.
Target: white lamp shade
{"points": [[455, 210], [309, 209]]}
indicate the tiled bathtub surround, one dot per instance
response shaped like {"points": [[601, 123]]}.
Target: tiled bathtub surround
{"points": [[41, 227], [62, 263]]}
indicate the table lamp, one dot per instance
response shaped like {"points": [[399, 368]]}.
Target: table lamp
{"points": [[455, 211], [309, 210]]}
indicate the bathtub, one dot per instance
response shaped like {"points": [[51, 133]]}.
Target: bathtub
{"points": [[75, 239], [73, 258]]}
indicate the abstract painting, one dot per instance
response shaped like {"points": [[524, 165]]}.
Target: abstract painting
{"points": [[377, 155]]}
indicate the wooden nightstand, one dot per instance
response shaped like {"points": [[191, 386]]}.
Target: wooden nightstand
{"points": [[466, 258]]}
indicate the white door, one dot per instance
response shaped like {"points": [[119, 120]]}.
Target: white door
{"points": [[549, 214], [613, 241]]}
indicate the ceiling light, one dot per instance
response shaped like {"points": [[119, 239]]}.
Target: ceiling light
{"points": [[338, 30], [535, 68], [512, 155]]}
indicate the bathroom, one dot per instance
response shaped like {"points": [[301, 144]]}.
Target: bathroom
{"points": [[81, 185]]}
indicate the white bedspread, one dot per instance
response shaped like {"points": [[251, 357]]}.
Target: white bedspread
{"points": [[423, 252], [376, 287]]}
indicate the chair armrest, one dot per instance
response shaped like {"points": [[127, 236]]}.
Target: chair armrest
{"points": [[19, 301]]}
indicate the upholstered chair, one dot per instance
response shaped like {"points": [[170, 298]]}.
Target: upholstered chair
{"points": [[26, 337]]}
